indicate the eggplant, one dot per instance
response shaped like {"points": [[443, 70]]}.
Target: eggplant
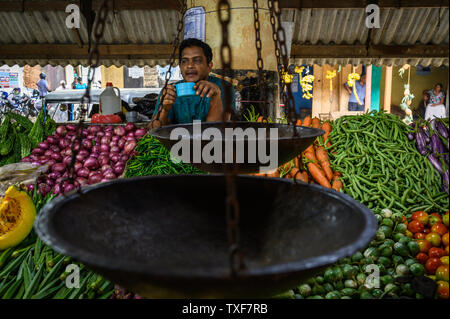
{"points": [[436, 145], [411, 136], [426, 135], [435, 162], [442, 130], [445, 182], [446, 158], [421, 144]]}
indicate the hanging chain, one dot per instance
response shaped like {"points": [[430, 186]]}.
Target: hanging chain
{"points": [[93, 62], [259, 60], [232, 205], [155, 121], [279, 37]]}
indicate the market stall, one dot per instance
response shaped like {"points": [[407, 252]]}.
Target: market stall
{"points": [[361, 194]]}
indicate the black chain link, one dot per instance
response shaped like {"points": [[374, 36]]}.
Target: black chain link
{"points": [[232, 205], [279, 37], [259, 60], [155, 120], [93, 63]]}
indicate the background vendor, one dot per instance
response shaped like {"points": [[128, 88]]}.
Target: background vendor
{"points": [[360, 88], [436, 107], [207, 105]]}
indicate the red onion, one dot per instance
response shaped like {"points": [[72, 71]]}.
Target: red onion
{"points": [[130, 127], [95, 178], [84, 132], [67, 160], [104, 148], [83, 152], [36, 163], [129, 138], [115, 138], [108, 134], [63, 143], [86, 143], [76, 146], [80, 157], [54, 175], [50, 163], [59, 180], [69, 187], [71, 127], [109, 128], [50, 182], [61, 130], [90, 137], [57, 189], [109, 175], [67, 152], [118, 169], [105, 140], [54, 149], [119, 163], [83, 172], [140, 132], [44, 189], [44, 145], [114, 157], [71, 133], [91, 163], [94, 129], [130, 134], [105, 168], [30, 188], [48, 153], [121, 143], [113, 143], [115, 149], [96, 149], [103, 160], [97, 140], [37, 151], [100, 134], [94, 155], [77, 166], [52, 140], [34, 157], [129, 146], [82, 181], [124, 157], [119, 130], [26, 160]]}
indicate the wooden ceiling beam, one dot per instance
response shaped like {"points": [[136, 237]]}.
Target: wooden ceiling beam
{"points": [[348, 4]]}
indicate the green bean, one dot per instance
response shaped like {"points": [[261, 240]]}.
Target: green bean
{"points": [[12, 290], [13, 265]]}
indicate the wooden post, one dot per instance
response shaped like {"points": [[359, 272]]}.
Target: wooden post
{"points": [[388, 89], [317, 91]]}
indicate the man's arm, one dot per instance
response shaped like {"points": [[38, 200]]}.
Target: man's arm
{"points": [[211, 90], [164, 107], [347, 88]]}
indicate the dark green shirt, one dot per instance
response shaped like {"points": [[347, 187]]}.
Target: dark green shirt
{"points": [[186, 109]]}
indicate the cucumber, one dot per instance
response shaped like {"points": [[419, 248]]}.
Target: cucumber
{"points": [[7, 145], [23, 121], [25, 145]]}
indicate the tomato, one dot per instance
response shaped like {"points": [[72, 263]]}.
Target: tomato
{"points": [[432, 264], [445, 239], [442, 290], [421, 216], [444, 260], [404, 220], [434, 219], [434, 239], [415, 226], [436, 252], [422, 258], [442, 273], [426, 231], [439, 228], [446, 250], [436, 215], [419, 236], [424, 245], [409, 234], [445, 220]]}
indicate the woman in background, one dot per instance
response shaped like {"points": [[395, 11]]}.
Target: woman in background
{"points": [[435, 107]]}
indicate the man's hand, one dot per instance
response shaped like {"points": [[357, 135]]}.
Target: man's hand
{"points": [[169, 99], [206, 88]]}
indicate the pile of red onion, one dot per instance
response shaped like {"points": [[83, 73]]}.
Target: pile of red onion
{"points": [[101, 157]]}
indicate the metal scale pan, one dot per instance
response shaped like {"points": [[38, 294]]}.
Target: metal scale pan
{"points": [[164, 236], [289, 143]]}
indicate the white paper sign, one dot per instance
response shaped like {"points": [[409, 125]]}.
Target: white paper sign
{"points": [[135, 72], [194, 23]]}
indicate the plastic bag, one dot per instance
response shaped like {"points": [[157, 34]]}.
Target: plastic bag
{"points": [[19, 173]]}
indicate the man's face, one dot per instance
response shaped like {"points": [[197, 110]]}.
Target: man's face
{"points": [[363, 79], [193, 64]]}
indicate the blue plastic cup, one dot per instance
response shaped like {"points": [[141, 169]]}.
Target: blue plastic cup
{"points": [[185, 89]]}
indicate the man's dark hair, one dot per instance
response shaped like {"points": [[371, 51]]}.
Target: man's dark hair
{"points": [[192, 42], [79, 79]]}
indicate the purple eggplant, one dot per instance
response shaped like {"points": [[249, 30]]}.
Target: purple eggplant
{"points": [[435, 162], [433, 124], [421, 144], [426, 135], [445, 181], [436, 144], [442, 130], [411, 136], [446, 158]]}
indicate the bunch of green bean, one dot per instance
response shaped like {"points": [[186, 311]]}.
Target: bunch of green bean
{"points": [[381, 168], [32, 270], [153, 158]]}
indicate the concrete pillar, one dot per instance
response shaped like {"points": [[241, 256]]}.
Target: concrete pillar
{"points": [[241, 36]]}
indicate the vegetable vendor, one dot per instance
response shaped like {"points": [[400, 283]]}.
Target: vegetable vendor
{"points": [[207, 104], [435, 107], [356, 102]]}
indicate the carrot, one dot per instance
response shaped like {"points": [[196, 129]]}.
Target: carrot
{"points": [[309, 149], [297, 162], [307, 121], [318, 175], [260, 118], [311, 156], [322, 156], [287, 166], [315, 122], [326, 127], [336, 174], [299, 123], [337, 185], [274, 173], [293, 172], [301, 176]]}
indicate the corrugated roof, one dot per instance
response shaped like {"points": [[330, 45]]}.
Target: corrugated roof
{"points": [[403, 26]]}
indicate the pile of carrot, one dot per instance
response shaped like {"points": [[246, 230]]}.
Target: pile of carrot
{"points": [[313, 165]]}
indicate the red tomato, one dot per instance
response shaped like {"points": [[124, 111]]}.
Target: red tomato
{"points": [[436, 215], [442, 290], [432, 264], [426, 231], [424, 245], [422, 258], [442, 273], [434, 239], [436, 252], [439, 228], [419, 235], [446, 250], [415, 226], [421, 216], [434, 219], [445, 239], [404, 220]]}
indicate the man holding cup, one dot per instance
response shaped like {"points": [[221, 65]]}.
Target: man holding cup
{"points": [[199, 96]]}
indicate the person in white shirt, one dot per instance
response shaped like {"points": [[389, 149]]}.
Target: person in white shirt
{"points": [[62, 86]]}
